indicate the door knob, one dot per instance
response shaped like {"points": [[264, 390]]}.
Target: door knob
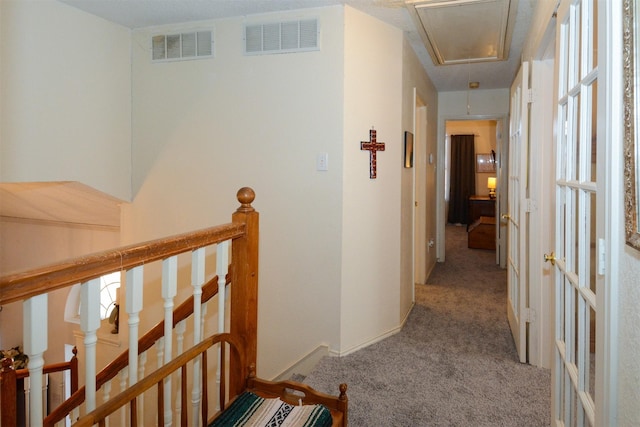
{"points": [[551, 258], [506, 216]]}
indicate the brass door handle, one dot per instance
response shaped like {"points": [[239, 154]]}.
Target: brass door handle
{"points": [[506, 216], [551, 258]]}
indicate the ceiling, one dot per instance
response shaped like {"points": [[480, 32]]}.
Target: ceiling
{"points": [[454, 28]]}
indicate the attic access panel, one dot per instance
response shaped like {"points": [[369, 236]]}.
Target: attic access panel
{"points": [[465, 31]]}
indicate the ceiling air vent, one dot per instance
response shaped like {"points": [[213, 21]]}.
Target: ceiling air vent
{"points": [[282, 37], [182, 46]]}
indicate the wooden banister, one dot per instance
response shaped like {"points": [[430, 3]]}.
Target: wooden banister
{"points": [[156, 378], [243, 273], [244, 298], [23, 285], [182, 312]]}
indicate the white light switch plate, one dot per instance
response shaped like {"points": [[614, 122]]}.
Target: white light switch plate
{"points": [[322, 162]]}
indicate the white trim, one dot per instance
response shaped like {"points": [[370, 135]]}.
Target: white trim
{"points": [[373, 340], [610, 127], [305, 365]]}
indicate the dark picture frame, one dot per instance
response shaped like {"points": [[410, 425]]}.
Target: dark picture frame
{"points": [[408, 149]]}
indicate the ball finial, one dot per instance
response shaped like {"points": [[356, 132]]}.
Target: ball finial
{"points": [[246, 196]]}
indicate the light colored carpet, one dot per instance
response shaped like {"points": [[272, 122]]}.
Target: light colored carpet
{"points": [[454, 362]]}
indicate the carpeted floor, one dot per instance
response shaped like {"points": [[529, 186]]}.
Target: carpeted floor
{"points": [[454, 362]]}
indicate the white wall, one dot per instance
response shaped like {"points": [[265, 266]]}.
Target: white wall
{"points": [[370, 300], [205, 128], [65, 85]]}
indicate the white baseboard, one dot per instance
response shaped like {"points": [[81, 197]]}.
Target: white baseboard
{"points": [[305, 365], [375, 339]]}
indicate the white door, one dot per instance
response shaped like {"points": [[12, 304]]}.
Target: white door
{"points": [[577, 192], [516, 224]]}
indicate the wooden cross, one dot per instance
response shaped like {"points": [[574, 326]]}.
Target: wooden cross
{"points": [[373, 148]]}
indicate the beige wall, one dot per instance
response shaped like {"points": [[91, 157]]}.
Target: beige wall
{"points": [[205, 128], [485, 141], [66, 89], [370, 298]]}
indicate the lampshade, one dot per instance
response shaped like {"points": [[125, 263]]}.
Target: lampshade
{"points": [[491, 183]]}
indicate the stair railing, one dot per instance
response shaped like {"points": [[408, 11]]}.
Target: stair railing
{"points": [[31, 287], [12, 412]]}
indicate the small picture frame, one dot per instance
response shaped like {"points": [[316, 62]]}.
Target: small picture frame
{"points": [[408, 150], [485, 163]]}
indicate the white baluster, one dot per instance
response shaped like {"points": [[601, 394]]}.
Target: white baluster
{"points": [[159, 356], [197, 280], [35, 335], [180, 329], [202, 321], [123, 384], [89, 323], [142, 364], [27, 399], [222, 265], [45, 386], [134, 306], [169, 288], [106, 394]]}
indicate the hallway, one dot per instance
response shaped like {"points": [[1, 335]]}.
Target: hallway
{"points": [[454, 362]]}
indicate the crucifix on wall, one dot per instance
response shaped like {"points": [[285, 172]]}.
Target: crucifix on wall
{"points": [[373, 147]]}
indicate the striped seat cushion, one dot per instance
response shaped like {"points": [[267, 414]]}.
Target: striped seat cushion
{"points": [[252, 410]]}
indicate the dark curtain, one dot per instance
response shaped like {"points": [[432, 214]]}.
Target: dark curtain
{"points": [[462, 177]]}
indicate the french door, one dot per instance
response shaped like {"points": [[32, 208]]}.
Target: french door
{"points": [[516, 217], [578, 192]]}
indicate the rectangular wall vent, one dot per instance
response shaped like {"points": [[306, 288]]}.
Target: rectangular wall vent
{"points": [[182, 46], [282, 37]]}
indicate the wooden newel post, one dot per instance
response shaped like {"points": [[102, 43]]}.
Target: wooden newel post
{"points": [[9, 393], [244, 292]]}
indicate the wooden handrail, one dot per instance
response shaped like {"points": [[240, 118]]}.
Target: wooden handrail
{"points": [[182, 312], [54, 367], [24, 285], [243, 230], [157, 376]]}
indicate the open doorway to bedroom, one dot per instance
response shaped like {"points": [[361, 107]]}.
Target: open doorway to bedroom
{"points": [[471, 178]]}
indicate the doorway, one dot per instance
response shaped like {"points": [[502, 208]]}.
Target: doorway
{"points": [[486, 134]]}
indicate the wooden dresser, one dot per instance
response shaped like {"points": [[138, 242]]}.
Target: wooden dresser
{"points": [[480, 206], [481, 226]]}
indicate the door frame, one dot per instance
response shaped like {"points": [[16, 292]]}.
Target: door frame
{"points": [[420, 239], [441, 217], [541, 192]]}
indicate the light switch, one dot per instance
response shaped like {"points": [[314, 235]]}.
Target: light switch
{"points": [[322, 162]]}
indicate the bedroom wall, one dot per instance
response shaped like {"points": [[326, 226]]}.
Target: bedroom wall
{"points": [[205, 128], [66, 87], [370, 301], [485, 141]]}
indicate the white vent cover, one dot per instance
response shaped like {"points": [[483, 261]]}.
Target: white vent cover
{"points": [[183, 46], [282, 37]]}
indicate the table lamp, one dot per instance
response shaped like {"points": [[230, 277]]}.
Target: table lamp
{"points": [[491, 185]]}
